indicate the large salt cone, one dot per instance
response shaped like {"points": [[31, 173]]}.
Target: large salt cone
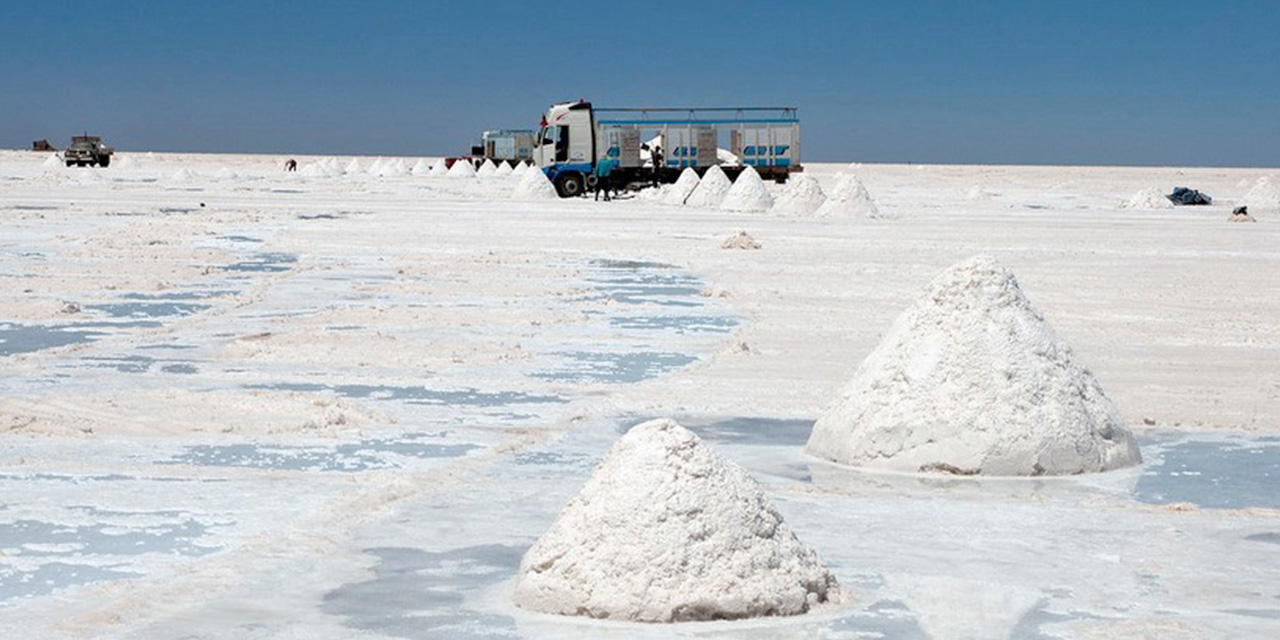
{"points": [[667, 530], [971, 379]]}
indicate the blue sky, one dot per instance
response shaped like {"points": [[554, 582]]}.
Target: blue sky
{"points": [[1157, 83]]}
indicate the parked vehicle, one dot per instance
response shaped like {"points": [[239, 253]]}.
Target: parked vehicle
{"points": [[574, 136], [87, 150]]}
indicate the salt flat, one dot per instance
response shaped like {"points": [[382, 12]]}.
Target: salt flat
{"points": [[242, 403]]}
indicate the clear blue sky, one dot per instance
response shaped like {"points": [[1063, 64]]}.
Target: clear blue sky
{"points": [[1003, 81]]}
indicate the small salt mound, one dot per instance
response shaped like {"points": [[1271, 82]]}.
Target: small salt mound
{"points": [[462, 169], [667, 530], [520, 169], [1265, 194], [313, 170], [421, 167], [439, 168], [126, 162], [748, 193], [502, 170], [1244, 182], [978, 193], [333, 167], [803, 196], [53, 161], [740, 240], [486, 169], [849, 198], [683, 187], [534, 185], [225, 173], [182, 175], [1241, 217], [376, 167], [711, 189], [389, 168], [971, 379], [354, 166], [1149, 198]]}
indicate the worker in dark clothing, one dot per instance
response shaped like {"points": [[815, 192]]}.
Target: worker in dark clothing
{"points": [[655, 154], [604, 177], [291, 165]]}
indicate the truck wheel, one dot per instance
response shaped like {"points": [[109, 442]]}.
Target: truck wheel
{"points": [[71, 163], [104, 162], [569, 185]]}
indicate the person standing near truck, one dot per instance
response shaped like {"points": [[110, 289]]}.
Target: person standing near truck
{"points": [[655, 155], [603, 172]]}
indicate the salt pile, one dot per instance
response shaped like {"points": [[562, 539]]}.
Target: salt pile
{"points": [[502, 170], [666, 530], [711, 189], [849, 198], [971, 379], [740, 240], [421, 168], [520, 169], [52, 161], [1265, 194], [354, 166], [534, 185], [225, 173], [389, 168], [683, 187], [802, 197], [486, 169], [439, 168], [313, 170], [748, 193], [182, 175], [976, 192], [462, 169], [1149, 198], [127, 162]]}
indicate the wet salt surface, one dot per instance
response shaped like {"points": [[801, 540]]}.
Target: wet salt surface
{"points": [[20, 338], [615, 368], [148, 309], [367, 454], [419, 395], [275, 262], [1211, 471]]}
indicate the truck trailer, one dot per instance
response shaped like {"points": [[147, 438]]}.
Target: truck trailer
{"points": [[574, 136], [505, 145]]}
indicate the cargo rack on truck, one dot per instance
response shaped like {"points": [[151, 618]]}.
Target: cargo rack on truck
{"points": [[574, 137]]}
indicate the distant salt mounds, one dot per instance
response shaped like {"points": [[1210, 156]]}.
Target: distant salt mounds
{"points": [[421, 168], [503, 169], [1150, 198], [127, 162], [748, 193], [711, 189], [462, 169], [849, 198], [667, 530], [486, 169], [440, 168], [534, 185], [971, 379], [683, 187], [52, 162], [182, 175], [520, 169], [1265, 194], [354, 166], [802, 197]]}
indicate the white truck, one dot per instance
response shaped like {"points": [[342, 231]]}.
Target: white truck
{"points": [[574, 137]]}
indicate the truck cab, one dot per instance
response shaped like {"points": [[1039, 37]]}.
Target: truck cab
{"points": [[565, 146]]}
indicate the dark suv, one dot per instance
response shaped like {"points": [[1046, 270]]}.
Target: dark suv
{"points": [[87, 150]]}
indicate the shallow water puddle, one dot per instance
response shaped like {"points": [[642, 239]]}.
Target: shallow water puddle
{"points": [[367, 454], [419, 395]]}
